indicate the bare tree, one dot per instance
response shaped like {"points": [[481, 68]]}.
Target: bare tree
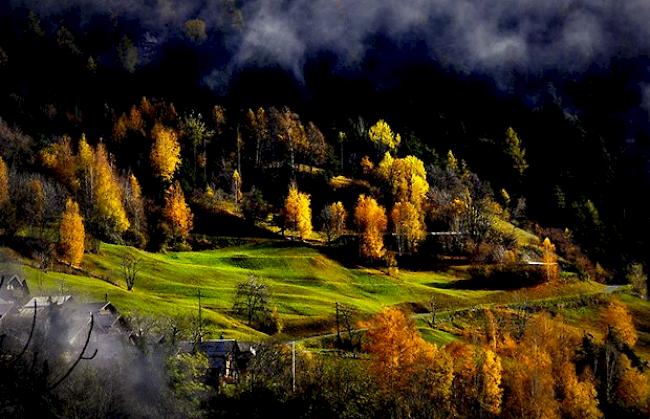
{"points": [[433, 309], [252, 299], [131, 265]]}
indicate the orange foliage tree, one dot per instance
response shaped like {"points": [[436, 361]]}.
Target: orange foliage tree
{"points": [[549, 258], [395, 345], [4, 183], [618, 318], [59, 158], [371, 221], [71, 234], [177, 213]]}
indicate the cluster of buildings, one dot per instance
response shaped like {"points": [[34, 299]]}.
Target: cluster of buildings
{"points": [[227, 357]]}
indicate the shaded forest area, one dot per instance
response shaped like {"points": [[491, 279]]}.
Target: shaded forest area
{"points": [[65, 75]]}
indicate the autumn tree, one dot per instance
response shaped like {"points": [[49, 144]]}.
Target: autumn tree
{"points": [[516, 152], [409, 226], [371, 222], [71, 234], [198, 134], [334, 217], [165, 152], [110, 216], [580, 399], [177, 213], [4, 183], [617, 318], [297, 212], [549, 258], [491, 390], [134, 206], [414, 375], [406, 179], [394, 343], [86, 162], [60, 160], [236, 187], [383, 137]]}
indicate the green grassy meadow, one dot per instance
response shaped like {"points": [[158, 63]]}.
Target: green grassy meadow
{"points": [[305, 285]]}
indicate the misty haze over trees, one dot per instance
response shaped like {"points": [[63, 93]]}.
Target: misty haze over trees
{"points": [[473, 170]]}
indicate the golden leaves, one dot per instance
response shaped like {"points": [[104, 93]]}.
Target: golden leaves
{"points": [[371, 220], [298, 211], [165, 153], [72, 234]]}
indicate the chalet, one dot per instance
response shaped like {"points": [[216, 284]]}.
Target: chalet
{"points": [[13, 288], [227, 357]]}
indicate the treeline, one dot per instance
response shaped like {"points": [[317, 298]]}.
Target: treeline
{"points": [[159, 172]]}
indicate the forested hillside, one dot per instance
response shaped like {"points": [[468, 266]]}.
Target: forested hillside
{"points": [[442, 205]]}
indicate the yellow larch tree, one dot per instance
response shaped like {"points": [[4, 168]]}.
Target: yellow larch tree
{"points": [[297, 210], [633, 388], [371, 221], [580, 399], [165, 152], [406, 178], [395, 345], [491, 391], [409, 226], [177, 213], [4, 183], [71, 234], [108, 193], [86, 165], [383, 137], [549, 258], [617, 317]]}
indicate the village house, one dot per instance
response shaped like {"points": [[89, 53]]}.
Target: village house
{"points": [[227, 358], [13, 288]]}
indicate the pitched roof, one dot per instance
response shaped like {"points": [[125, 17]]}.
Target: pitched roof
{"points": [[42, 302], [5, 307]]}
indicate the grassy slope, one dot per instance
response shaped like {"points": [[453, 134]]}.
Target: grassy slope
{"points": [[305, 284]]}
